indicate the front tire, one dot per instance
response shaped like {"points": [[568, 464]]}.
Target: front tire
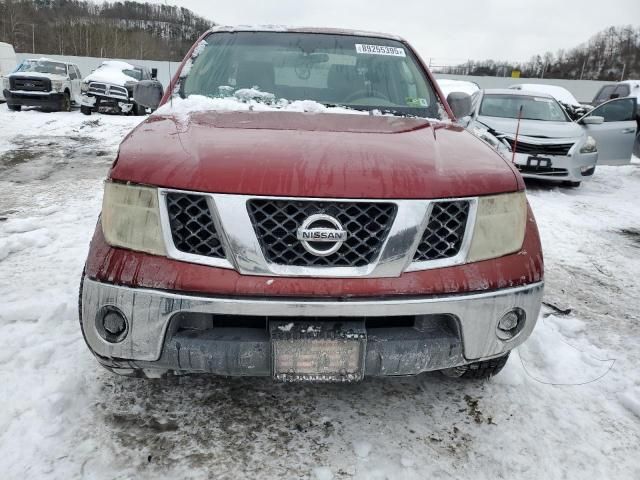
{"points": [[478, 370], [85, 110], [572, 184], [139, 110], [14, 108], [65, 103]]}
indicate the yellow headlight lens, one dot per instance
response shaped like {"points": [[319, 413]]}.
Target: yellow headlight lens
{"points": [[500, 226], [131, 218]]}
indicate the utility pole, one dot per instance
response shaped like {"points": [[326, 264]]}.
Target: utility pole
{"points": [[624, 67], [33, 38], [583, 65]]}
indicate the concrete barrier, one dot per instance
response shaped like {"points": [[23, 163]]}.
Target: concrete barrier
{"points": [[583, 90]]}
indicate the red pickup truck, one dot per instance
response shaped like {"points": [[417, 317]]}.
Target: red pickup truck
{"points": [[303, 206]]}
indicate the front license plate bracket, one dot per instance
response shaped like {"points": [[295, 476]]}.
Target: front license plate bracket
{"points": [[318, 351], [539, 162]]}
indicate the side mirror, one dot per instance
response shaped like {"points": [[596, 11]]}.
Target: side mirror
{"points": [[154, 73], [592, 120], [460, 104], [148, 93]]}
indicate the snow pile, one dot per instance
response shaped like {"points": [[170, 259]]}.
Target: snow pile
{"points": [[186, 69], [561, 94], [449, 86], [111, 72], [246, 100]]}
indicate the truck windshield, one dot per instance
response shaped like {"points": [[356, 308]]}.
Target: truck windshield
{"points": [[533, 108], [135, 73], [43, 66], [363, 73]]}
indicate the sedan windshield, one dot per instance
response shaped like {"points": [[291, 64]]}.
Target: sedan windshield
{"points": [[363, 73], [533, 108], [43, 66]]}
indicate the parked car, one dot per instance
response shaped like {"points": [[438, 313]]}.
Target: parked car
{"points": [[572, 106], [109, 88], [44, 83], [627, 88], [7, 63], [296, 210], [448, 86], [550, 145]]}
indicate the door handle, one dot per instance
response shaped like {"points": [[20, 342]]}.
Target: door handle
{"points": [[629, 130]]}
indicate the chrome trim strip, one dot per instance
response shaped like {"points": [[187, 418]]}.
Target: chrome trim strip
{"points": [[245, 254]]}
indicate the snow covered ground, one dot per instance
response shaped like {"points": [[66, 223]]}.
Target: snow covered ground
{"points": [[566, 406]]}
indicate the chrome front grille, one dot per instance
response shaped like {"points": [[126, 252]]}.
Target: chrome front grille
{"points": [[275, 236], [192, 228], [276, 223], [445, 231], [107, 90]]}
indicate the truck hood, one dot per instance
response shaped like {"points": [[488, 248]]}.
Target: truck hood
{"points": [[532, 128], [312, 155], [50, 76]]}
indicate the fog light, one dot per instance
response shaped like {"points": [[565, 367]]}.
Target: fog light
{"points": [[510, 324], [111, 324]]}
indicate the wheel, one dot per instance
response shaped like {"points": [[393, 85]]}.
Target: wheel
{"points": [[572, 184], [14, 108], [636, 147], [85, 110], [65, 103], [139, 110], [478, 370]]}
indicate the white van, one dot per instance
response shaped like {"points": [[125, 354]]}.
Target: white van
{"points": [[7, 63]]}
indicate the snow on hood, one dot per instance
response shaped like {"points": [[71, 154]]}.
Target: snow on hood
{"points": [[561, 94], [533, 128], [448, 86], [244, 100], [254, 100], [111, 72]]}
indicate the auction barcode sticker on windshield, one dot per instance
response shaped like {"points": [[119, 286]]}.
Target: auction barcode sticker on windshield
{"points": [[380, 50]]}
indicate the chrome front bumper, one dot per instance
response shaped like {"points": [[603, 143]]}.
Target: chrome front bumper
{"points": [[152, 343], [573, 165]]}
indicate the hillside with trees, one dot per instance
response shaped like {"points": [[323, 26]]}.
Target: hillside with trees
{"points": [[612, 54], [111, 29]]}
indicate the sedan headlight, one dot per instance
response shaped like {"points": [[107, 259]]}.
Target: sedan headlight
{"points": [[590, 146], [500, 226], [56, 85], [131, 218]]}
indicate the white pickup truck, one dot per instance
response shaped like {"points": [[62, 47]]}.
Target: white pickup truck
{"points": [[44, 83]]}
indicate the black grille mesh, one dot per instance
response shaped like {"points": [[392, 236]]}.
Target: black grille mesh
{"points": [[561, 149], [276, 223], [192, 226], [445, 231]]}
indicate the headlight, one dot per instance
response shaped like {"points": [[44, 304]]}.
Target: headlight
{"points": [[56, 85], [84, 87], [500, 226], [5, 83], [131, 218], [590, 146]]}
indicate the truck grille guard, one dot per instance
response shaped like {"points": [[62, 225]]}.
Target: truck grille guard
{"points": [[258, 235]]}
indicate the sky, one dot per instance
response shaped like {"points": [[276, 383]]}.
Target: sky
{"points": [[448, 31]]}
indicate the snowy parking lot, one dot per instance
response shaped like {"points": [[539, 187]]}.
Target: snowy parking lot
{"points": [[566, 406]]}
